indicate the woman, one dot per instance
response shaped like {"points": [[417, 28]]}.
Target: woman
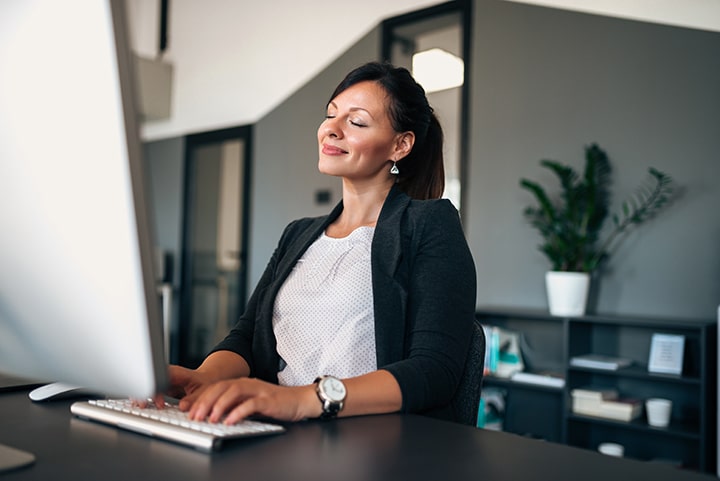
{"points": [[369, 309]]}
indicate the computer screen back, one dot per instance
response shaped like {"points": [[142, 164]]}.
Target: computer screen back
{"points": [[77, 290]]}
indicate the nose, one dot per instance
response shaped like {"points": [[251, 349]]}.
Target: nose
{"points": [[331, 127]]}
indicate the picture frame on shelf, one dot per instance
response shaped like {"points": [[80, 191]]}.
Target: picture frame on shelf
{"points": [[666, 354]]}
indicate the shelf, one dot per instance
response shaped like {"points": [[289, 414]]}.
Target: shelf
{"points": [[639, 424], [639, 372], [544, 411], [509, 383]]}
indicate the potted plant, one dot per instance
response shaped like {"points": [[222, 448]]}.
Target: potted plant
{"points": [[571, 224]]}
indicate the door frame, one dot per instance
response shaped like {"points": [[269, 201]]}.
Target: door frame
{"points": [[192, 143], [465, 9]]}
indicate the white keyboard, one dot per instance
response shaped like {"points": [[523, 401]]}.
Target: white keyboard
{"points": [[169, 423]]}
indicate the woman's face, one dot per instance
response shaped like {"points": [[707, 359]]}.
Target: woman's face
{"points": [[357, 141]]}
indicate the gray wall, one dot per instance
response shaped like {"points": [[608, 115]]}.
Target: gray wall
{"points": [[548, 82], [165, 161], [166, 169]]}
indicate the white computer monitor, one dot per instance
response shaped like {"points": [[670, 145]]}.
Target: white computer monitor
{"points": [[77, 289]]}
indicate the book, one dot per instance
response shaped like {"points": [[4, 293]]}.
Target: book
{"points": [[492, 350], [621, 409], [587, 401], [502, 355], [605, 403], [595, 394], [543, 379], [599, 361]]}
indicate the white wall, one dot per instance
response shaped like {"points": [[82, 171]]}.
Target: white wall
{"points": [[235, 61]]}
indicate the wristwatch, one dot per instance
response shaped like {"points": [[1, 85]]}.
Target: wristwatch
{"points": [[332, 392]]}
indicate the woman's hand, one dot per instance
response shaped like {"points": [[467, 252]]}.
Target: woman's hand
{"points": [[218, 365], [232, 400], [183, 381]]}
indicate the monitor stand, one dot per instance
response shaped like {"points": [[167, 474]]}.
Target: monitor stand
{"points": [[11, 458]]}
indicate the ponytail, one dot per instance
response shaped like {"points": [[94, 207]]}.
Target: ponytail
{"points": [[422, 171]]}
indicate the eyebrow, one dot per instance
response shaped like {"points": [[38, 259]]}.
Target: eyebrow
{"points": [[352, 109]]}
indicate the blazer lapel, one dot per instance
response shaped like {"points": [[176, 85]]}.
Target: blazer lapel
{"points": [[389, 295], [299, 245]]}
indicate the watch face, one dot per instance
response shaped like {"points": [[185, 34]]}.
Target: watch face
{"points": [[334, 388]]}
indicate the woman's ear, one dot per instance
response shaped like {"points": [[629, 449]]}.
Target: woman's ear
{"points": [[404, 144]]}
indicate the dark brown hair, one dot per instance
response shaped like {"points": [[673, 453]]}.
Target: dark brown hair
{"points": [[422, 173]]}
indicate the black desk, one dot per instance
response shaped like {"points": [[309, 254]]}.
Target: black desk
{"points": [[377, 448]]}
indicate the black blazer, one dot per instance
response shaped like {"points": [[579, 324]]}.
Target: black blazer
{"points": [[424, 286]]}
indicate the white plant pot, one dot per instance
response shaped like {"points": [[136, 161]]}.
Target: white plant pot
{"points": [[567, 292]]}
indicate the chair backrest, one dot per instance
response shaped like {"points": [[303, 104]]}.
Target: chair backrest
{"points": [[466, 402]]}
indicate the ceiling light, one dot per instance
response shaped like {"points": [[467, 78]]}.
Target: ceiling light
{"points": [[437, 69]]}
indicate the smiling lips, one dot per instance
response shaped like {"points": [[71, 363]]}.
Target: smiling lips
{"points": [[331, 150]]}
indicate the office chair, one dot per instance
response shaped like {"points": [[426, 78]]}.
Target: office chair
{"points": [[466, 401]]}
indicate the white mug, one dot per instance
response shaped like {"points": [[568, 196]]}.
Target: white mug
{"points": [[658, 412]]}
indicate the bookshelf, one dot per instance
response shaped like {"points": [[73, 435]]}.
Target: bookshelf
{"points": [[548, 345]]}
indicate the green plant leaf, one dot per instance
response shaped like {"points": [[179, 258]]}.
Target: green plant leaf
{"points": [[570, 224]]}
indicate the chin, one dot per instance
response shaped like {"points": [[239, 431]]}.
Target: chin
{"points": [[324, 167]]}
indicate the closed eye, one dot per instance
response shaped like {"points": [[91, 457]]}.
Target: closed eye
{"points": [[356, 123]]}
